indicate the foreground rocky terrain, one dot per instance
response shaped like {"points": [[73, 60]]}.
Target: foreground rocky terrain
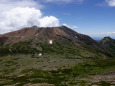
{"points": [[57, 56]]}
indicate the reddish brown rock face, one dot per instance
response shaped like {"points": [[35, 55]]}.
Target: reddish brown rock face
{"points": [[23, 34], [45, 33]]}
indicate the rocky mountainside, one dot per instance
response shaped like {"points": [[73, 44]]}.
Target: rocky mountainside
{"points": [[16, 36], [54, 33], [108, 43], [55, 56], [63, 35]]}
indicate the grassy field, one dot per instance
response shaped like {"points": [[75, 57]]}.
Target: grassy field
{"points": [[56, 70], [60, 65]]}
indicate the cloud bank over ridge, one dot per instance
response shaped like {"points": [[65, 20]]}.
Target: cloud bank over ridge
{"points": [[19, 18], [18, 14]]}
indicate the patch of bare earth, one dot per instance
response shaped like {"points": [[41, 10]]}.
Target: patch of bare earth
{"points": [[103, 78], [39, 84], [98, 78]]}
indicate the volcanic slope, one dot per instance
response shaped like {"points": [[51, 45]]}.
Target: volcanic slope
{"points": [[64, 41], [54, 56]]}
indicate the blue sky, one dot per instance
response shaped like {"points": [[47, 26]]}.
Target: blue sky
{"points": [[91, 17]]}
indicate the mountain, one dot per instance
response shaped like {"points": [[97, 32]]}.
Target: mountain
{"points": [[54, 33], [108, 43], [55, 56], [47, 33], [62, 37], [26, 33]]}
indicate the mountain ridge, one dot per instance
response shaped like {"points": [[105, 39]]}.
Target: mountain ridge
{"points": [[108, 43], [47, 33], [34, 31], [61, 35]]}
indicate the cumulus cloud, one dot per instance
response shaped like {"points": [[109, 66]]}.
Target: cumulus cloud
{"points": [[17, 14], [111, 3], [49, 21], [18, 18], [6, 5]]}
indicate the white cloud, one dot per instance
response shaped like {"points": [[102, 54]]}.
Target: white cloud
{"points": [[58, 0], [49, 21], [66, 1], [71, 26], [10, 4], [111, 3], [107, 33], [20, 17], [74, 27], [17, 14], [103, 34]]}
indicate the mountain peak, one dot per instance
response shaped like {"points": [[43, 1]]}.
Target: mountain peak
{"points": [[51, 35], [61, 33], [106, 39]]}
